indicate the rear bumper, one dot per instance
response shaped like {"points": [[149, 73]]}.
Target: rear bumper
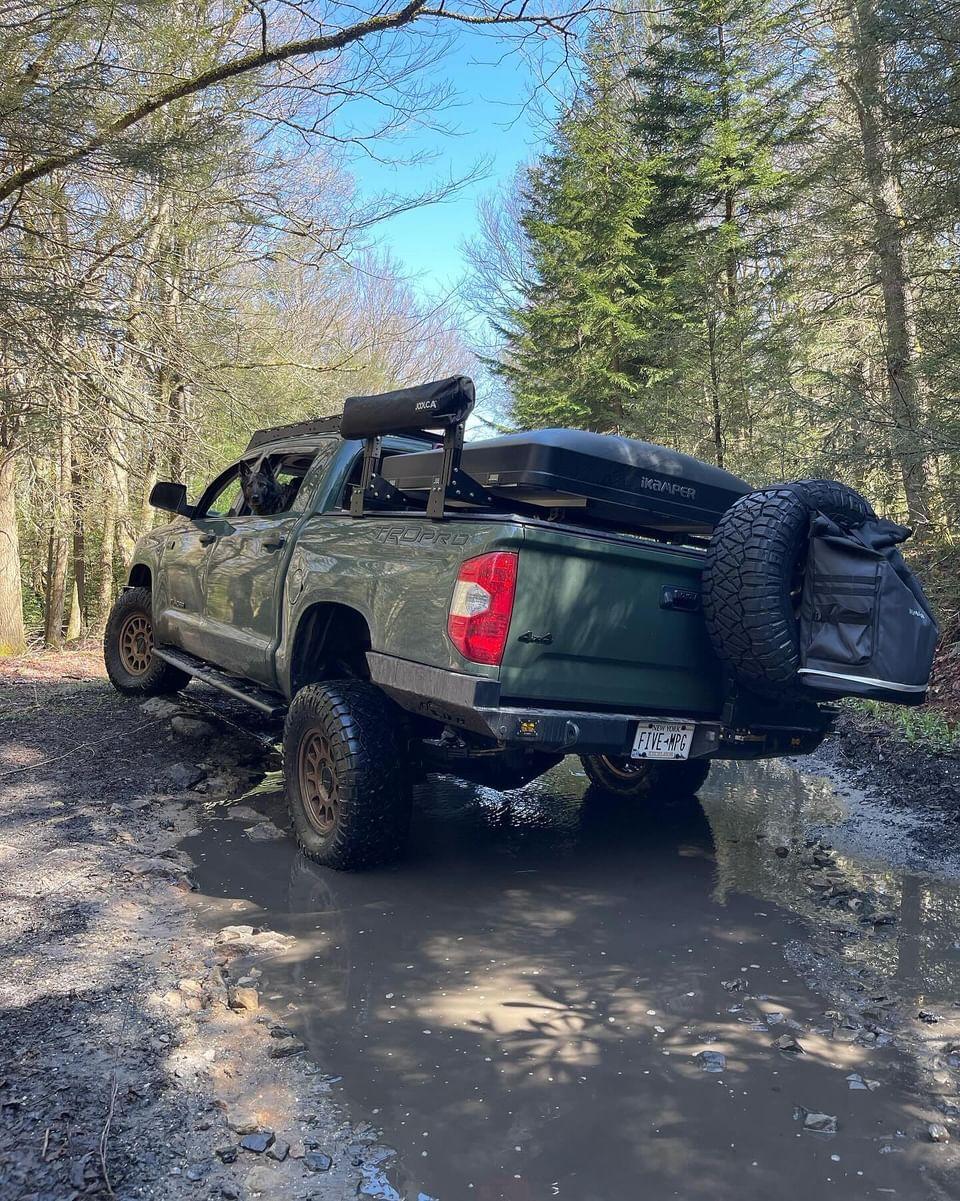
{"points": [[473, 703]]}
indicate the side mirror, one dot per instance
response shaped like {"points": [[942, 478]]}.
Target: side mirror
{"points": [[171, 498]]}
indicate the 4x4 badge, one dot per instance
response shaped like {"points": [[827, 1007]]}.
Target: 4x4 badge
{"points": [[530, 636]]}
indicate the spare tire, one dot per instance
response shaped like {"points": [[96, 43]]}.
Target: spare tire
{"points": [[754, 574]]}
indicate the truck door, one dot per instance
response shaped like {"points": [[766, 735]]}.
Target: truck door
{"points": [[245, 570], [178, 591]]}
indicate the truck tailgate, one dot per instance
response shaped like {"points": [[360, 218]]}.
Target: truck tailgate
{"points": [[597, 622]]}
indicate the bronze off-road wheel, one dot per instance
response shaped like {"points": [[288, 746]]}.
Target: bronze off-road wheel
{"points": [[128, 649], [347, 775], [645, 779]]}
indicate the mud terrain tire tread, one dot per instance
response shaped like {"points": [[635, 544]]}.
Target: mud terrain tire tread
{"points": [[647, 780], [367, 736], [160, 678], [751, 572]]}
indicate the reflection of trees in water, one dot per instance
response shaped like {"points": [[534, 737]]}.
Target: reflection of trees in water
{"points": [[754, 809]]}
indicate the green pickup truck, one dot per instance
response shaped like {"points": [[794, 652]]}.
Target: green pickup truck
{"points": [[410, 603]]}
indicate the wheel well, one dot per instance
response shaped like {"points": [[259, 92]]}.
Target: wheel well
{"points": [[331, 642], [140, 576]]}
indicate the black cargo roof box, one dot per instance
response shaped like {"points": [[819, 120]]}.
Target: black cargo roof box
{"points": [[610, 479]]}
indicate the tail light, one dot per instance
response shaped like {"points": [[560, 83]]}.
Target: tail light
{"points": [[482, 606]]}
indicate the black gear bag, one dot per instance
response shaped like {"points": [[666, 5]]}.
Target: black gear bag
{"points": [[866, 627]]}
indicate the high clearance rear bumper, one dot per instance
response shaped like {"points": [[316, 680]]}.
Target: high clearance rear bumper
{"points": [[472, 703]]}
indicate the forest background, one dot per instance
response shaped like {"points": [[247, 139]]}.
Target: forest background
{"points": [[739, 236]]}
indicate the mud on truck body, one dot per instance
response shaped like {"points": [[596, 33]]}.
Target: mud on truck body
{"points": [[416, 604]]}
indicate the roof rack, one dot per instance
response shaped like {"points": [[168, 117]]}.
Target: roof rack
{"points": [[299, 429]]}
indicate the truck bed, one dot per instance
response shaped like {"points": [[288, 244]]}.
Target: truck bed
{"points": [[601, 620]]}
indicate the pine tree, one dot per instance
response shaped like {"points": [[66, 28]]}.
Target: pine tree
{"points": [[715, 103], [578, 347]]}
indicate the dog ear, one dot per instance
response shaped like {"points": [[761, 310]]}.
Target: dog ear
{"points": [[245, 470], [266, 470]]}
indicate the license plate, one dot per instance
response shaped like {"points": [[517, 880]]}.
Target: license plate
{"points": [[662, 740]]}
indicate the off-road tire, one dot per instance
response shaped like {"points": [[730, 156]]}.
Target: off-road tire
{"points": [[645, 780], [346, 770], [128, 649], [754, 574]]}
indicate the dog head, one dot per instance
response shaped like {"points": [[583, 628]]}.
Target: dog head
{"points": [[260, 489]]}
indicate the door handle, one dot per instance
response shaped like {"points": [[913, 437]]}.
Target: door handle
{"points": [[206, 539], [273, 543]]}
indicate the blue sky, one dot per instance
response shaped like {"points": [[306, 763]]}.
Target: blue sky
{"points": [[490, 121]]}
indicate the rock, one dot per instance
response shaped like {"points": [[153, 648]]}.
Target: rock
{"points": [[258, 1142], [279, 1151], [781, 852], [197, 1171], [264, 832], [227, 1154], [738, 985], [262, 1179], [285, 1047], [816, 1122], [711, 1061], [298, 1149], [183, 775], [229, 1191], [242, 1125], [883, 919], [191, 727], [938, 1133], [926, 1016], [278, 1031], [317, 1161], [234, 934], [243, 813], [243, 998], [217, 784], [245, 938], [159, 706], [788, 1045]]}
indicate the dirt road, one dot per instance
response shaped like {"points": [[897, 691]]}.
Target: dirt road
{"points": [[554, 995]]}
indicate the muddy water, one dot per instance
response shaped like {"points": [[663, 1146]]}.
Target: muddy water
{"points": [[521, 1006]]}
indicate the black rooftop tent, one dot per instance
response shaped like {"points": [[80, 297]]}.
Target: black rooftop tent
{"points": [[605, 477]]}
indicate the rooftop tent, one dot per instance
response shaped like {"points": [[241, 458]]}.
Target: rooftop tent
{"points": [[608, 478]]}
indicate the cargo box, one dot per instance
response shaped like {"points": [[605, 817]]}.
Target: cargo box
{"points": [[610, 479]]}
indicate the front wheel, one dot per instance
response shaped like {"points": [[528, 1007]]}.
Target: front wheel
{"points": [[347, 775], [132, 666], [645, 779]]}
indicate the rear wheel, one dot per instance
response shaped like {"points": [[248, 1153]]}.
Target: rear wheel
{"points": [[132, 666], [347, 778], [643, 779]]}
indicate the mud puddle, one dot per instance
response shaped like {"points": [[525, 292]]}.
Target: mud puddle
{"points": [[522, 1006]]}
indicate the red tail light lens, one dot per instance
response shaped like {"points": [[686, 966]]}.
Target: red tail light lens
{"points": [[482, 606]]}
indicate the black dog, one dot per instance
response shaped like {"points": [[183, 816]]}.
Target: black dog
{"points": [[262, 491]]}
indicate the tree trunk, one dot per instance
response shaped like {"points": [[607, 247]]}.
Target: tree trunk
{"points": [[108, 549], [74, 620], [908, 402], [60, 536], [13, 640], [717, 426]]}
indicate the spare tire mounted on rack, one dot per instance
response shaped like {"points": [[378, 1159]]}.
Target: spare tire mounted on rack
{"points": [[753, 576]]}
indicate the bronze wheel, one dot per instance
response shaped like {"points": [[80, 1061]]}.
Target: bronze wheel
{"points": [[645, 778], [346, 753], [128, 649], [318, 782], [136, 643], [623, 769]]}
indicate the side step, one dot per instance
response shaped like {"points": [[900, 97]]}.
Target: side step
{"points": [[267, 702]]}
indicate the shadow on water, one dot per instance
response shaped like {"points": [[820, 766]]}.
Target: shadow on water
{"points": [[520, 1003]]}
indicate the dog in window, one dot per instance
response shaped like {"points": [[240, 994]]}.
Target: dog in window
{"points": [[262, 491]]}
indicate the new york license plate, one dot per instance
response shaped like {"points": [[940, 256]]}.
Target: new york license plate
{"points": [[662, 740]]}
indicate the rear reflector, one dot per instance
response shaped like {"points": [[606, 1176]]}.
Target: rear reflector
{"points": [[482, 606]]}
